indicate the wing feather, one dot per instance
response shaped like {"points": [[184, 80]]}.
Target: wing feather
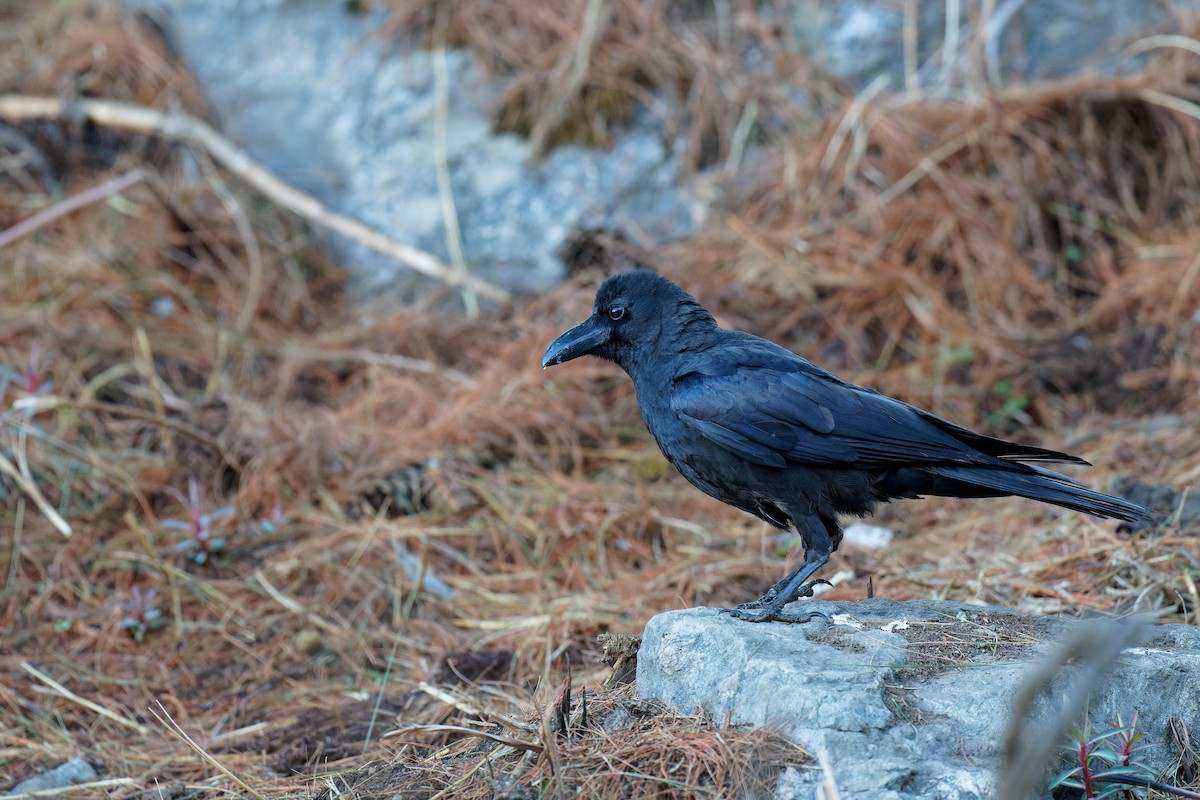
{"points": [[774, 411]]}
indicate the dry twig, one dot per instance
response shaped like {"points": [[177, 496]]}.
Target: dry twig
{"points": [[181, 127], [72, 204]]}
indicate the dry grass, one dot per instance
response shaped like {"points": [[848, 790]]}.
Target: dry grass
{"points": [[611, 745], [187, 329], [576, 70]]}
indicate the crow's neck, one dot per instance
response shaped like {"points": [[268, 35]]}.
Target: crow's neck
{"points": [[689, 329]]}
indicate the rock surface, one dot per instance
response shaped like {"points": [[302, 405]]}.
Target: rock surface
{"points": [[69, 773], [908, 700], [1030, 40], [321, 99]]}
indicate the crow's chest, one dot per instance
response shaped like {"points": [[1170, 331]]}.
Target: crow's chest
{"points": [[682, 445]]}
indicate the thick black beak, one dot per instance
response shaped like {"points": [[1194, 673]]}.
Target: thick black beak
{"points": [[576, 342]]}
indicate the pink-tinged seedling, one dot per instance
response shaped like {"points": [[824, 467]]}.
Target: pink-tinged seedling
{"points": [[32, 379], [33, 372], [1103, 762], [201, 546], [273, 523], [143, 616]]}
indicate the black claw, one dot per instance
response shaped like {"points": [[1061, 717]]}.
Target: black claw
{"points": [[807, 589]]}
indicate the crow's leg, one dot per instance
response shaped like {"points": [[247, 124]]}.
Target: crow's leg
{"points": [[791, 588], [817, 534], [782, 584]]}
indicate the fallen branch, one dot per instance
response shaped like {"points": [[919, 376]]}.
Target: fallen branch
{"points": [[73, 203], [21, 476], [181, 127], [57, 688]]}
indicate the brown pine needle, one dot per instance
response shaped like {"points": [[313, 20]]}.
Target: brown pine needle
{"points": [[511, 741]]}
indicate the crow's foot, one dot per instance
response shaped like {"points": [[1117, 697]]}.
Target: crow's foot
{"points": [[769, 607], [753, 605], [769, 614], [769, 598]]}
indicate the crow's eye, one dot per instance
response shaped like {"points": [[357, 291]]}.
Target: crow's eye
{"points": [[616, 313]]}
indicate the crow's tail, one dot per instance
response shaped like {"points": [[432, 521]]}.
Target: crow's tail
{"points": [[1038, 483]]}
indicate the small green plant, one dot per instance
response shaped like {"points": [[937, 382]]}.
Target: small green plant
{"points": [[1099, 756], [1014, 408], [143, 617], [1104, 762], [950, 357], [953, 355]]}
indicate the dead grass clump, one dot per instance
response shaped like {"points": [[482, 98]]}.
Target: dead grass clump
{"points": [[137, 335], [1032, 253], [612, 745], [576, 70], [86, 49], [91, 49]]}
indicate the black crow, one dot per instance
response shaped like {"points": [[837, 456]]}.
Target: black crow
{"points": [[760, 428]]}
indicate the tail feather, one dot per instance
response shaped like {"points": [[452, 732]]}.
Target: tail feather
{"points": [[1000, 448], [1047, 486]]}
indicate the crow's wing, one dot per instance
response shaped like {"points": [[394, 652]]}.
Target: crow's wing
{"points": [[771, 407]]}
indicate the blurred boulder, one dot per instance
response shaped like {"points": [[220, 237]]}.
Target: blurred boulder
{"points": [[321, 98]]}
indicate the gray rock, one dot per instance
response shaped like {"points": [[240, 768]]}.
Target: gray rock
{"points": [[908, 700], [77, 770], [861, 40], [318, 97]]}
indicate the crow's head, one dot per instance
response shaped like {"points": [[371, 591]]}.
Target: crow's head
{"points": [[635, 313]]}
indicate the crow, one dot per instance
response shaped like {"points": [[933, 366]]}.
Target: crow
{"points": [[764, 430]]}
